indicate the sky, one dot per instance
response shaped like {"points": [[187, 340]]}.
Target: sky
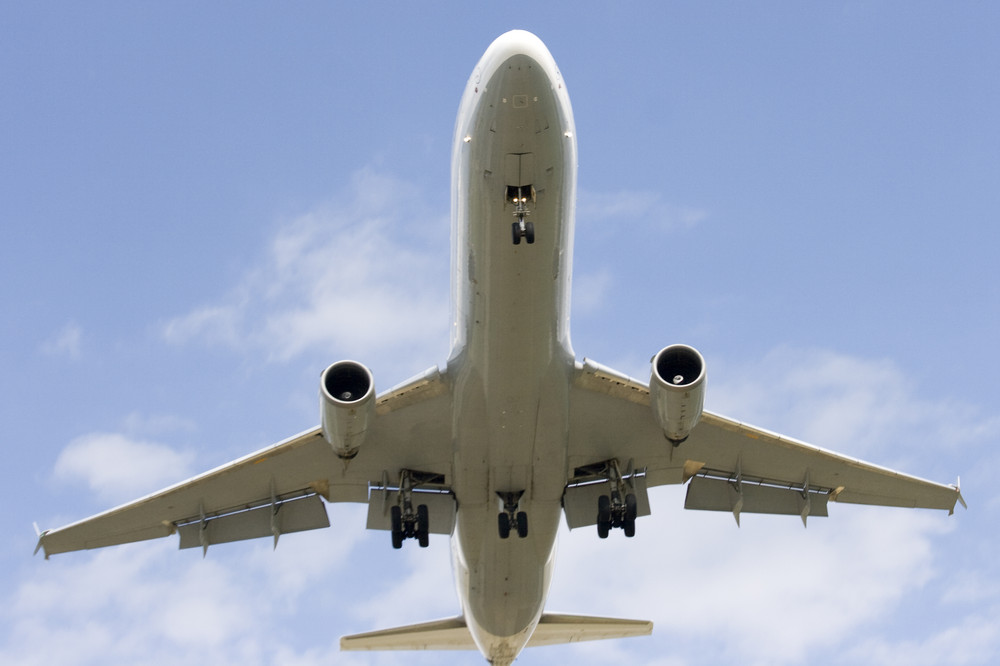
{"points": [[203, 205]]}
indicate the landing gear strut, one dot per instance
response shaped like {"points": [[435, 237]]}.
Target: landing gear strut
{"points": [[510, 517], [619, 509], [407, 523]]}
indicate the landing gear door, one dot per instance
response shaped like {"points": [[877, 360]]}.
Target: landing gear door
{"points": [[580, 501], [440, 509], [519, 169]]}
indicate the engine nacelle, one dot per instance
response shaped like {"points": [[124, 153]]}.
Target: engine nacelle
{"points": [[677, 390], [347, 406]]}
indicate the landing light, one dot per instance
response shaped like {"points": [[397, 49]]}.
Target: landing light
{"points": [[467, 138]]}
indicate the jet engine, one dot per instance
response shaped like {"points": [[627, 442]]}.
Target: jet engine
{"points": [[347, 406], [677, 390]]}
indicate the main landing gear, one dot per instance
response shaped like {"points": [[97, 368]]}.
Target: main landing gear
{"points": [[619, 509], [408, 523], [510, 518]]}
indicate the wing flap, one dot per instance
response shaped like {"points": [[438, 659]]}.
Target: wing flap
{"points": [[710, 494], [285, 517]]}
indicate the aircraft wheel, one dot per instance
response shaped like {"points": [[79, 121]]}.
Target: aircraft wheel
{"points": [[516, 232], [631, 509], [529, 232], [423, 526], [522, 524], [603, 516], [503, 525], [396, 516]]}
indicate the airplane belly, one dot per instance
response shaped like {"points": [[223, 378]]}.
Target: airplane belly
{"points": [[515, 160], [511, 361]]}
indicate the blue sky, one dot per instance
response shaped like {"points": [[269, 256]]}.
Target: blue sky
{"points": [[204, 206]]}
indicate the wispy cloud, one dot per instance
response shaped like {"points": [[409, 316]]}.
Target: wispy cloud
{"points": [[860, 406], [117, 467], [361, 274], [647, 208], [67, 342]]}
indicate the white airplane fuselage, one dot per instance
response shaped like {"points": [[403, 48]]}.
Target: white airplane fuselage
{"points": [[511, 356]]}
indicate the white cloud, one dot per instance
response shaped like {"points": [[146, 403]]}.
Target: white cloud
{"points": [[974, 639], [769, 592], [856, 406], [67, 342], [358, 274], [591, 290], [638, 206], [116, 467]]}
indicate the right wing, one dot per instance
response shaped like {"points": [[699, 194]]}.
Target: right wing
{"points": [[730, 466], [277, 490]]}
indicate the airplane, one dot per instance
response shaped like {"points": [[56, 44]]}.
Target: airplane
{"points": [[513, 434]]}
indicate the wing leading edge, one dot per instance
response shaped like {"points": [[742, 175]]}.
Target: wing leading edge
{"points": [[277, 490], [731, 466]]}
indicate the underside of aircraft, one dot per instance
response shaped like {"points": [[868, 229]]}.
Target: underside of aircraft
{"points": [[512, 434]]}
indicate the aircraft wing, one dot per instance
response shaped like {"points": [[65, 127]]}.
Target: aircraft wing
{"points": [[729, 466], [277, 490]]}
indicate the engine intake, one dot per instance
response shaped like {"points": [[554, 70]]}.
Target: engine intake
{"points": [[347, 406], [677, 390]]}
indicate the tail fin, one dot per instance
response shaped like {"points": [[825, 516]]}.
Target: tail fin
{"points": [[453, 634]]}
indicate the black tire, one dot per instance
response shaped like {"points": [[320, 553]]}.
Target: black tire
{"points": [[631, 509], [516, 232], [522, 524], [603, 516], [529, 232], [396, 516], [503, 525], [423, 526], [604, 509]]}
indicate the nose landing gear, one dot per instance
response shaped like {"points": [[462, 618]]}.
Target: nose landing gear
{"points": [[520, 195], [522, 229]]}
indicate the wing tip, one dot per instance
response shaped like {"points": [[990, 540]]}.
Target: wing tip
{"points": [[41, 534], [958, 496]]}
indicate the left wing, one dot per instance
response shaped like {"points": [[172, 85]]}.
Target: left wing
{"points": [[277, 490], [731, 466]]}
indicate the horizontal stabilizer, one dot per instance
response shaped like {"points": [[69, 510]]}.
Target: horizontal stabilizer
{"points": [[452, 634], [557, 628]]}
